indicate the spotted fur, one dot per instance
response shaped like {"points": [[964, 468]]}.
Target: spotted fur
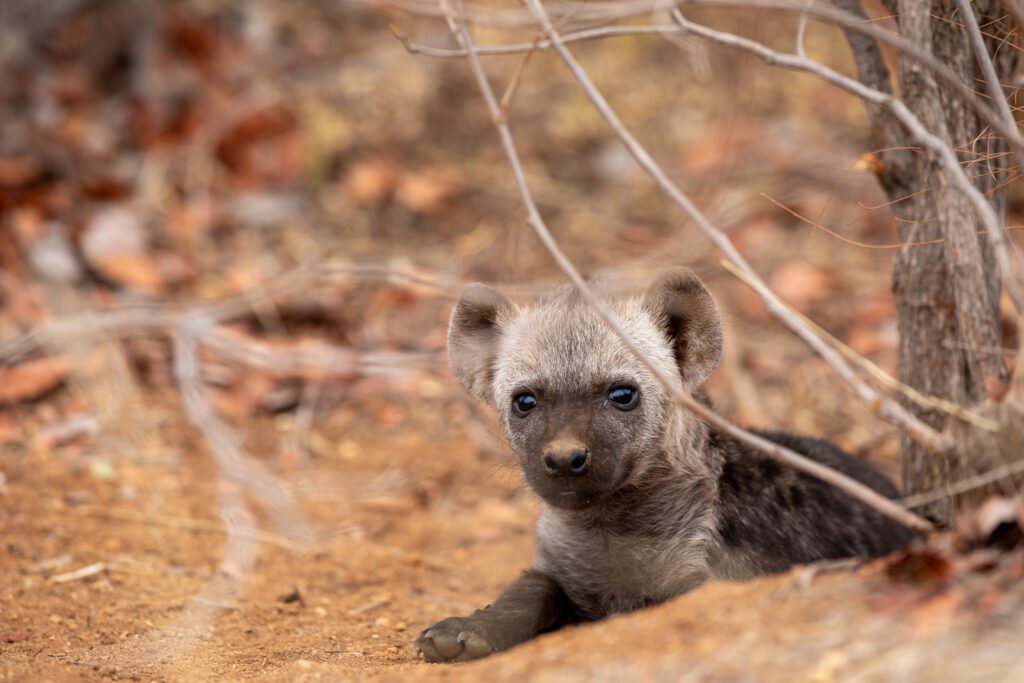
{"points": [[667, 502]]}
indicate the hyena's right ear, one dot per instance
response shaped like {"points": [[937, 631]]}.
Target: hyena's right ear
{"points": [[689, 316], [473, 334]]}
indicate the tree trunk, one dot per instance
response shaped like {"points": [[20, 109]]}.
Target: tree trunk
{"points": [[947, 294]]}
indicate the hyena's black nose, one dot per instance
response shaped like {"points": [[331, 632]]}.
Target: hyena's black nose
{"points": [[574, 463]]}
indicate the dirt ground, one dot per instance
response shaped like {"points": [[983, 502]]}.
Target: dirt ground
{"points": [[154, 162], [412, 533]]}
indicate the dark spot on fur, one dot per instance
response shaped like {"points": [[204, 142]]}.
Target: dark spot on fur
{"points": [[796, 497], [768, 469]]}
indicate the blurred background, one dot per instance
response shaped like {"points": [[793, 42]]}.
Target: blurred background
{"points": [[158, 157]]}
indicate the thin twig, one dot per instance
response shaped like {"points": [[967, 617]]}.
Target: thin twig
{"points": [[868, 245], [992, 84], [801, 32], [988, 69], [313, 359], [855, 489], [969, 484], [224, 444], [513, 84], [942, 152], [150, 319], [618, 10], [539, 44], [933, 402], [190, 524], [881, 405], [83, 573], [1016, 11]]}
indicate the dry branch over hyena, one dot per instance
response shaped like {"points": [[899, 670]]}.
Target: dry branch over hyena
{"points": [[233, 442]]}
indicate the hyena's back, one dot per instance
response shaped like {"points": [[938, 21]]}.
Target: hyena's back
{"points": [[772, 516]]}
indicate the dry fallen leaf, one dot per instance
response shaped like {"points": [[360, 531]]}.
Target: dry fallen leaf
{"points": [[920, 566], [248, 131], [371, 182], [18, 171], [427, 191], [31, 380], [800, 284], [872, 163], [131, 269]]}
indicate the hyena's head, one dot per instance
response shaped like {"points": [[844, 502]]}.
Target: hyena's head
{"points": [[583, 414]]}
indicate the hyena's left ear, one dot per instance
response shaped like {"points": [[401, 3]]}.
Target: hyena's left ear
{"points": [[473, 334], [689, 316]]}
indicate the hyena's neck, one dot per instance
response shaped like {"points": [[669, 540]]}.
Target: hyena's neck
{"points": [[644, 544]]}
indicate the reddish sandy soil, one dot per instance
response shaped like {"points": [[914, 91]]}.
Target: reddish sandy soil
{"points": [[411, 534], [245, 138]]}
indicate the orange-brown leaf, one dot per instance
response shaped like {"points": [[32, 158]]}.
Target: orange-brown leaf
{"points": [[371, 182], [920, 566], [801, 284], [426, 192], [132, 269], [31, 380]]}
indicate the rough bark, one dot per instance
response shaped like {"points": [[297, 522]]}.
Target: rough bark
{"points": [[947, 294]]}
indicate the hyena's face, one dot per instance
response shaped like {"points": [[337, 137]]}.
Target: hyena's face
{"points": [[583, 414]]}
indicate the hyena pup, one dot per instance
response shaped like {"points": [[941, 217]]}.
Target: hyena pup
{"points": [[640, 500]]}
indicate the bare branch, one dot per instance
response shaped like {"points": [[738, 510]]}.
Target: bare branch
{"points": [[617, 10], [225, 445], [857, 22], [988, 69], [964, 485], [884, 378], [855, 489], [942, 152], [801, 32], [149, 319], [883, 406], [189, 524], [313, 359], [995, 90], [1016, 10], [518, 48]]}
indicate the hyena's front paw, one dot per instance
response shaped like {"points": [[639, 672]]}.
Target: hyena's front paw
{"points": [[457, 639]]}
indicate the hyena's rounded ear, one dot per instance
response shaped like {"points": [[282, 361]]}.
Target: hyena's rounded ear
{"points": [[473, 333], [689, 316]]}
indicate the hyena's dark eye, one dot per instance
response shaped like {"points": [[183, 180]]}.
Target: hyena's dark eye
{"points": [[523, 403], [624, 398]]}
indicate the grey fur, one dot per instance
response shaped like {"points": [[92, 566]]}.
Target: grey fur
{"points": [[666, 502]]}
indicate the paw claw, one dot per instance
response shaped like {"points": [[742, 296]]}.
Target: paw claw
{"points": [[454, 640], [430, 652]]}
